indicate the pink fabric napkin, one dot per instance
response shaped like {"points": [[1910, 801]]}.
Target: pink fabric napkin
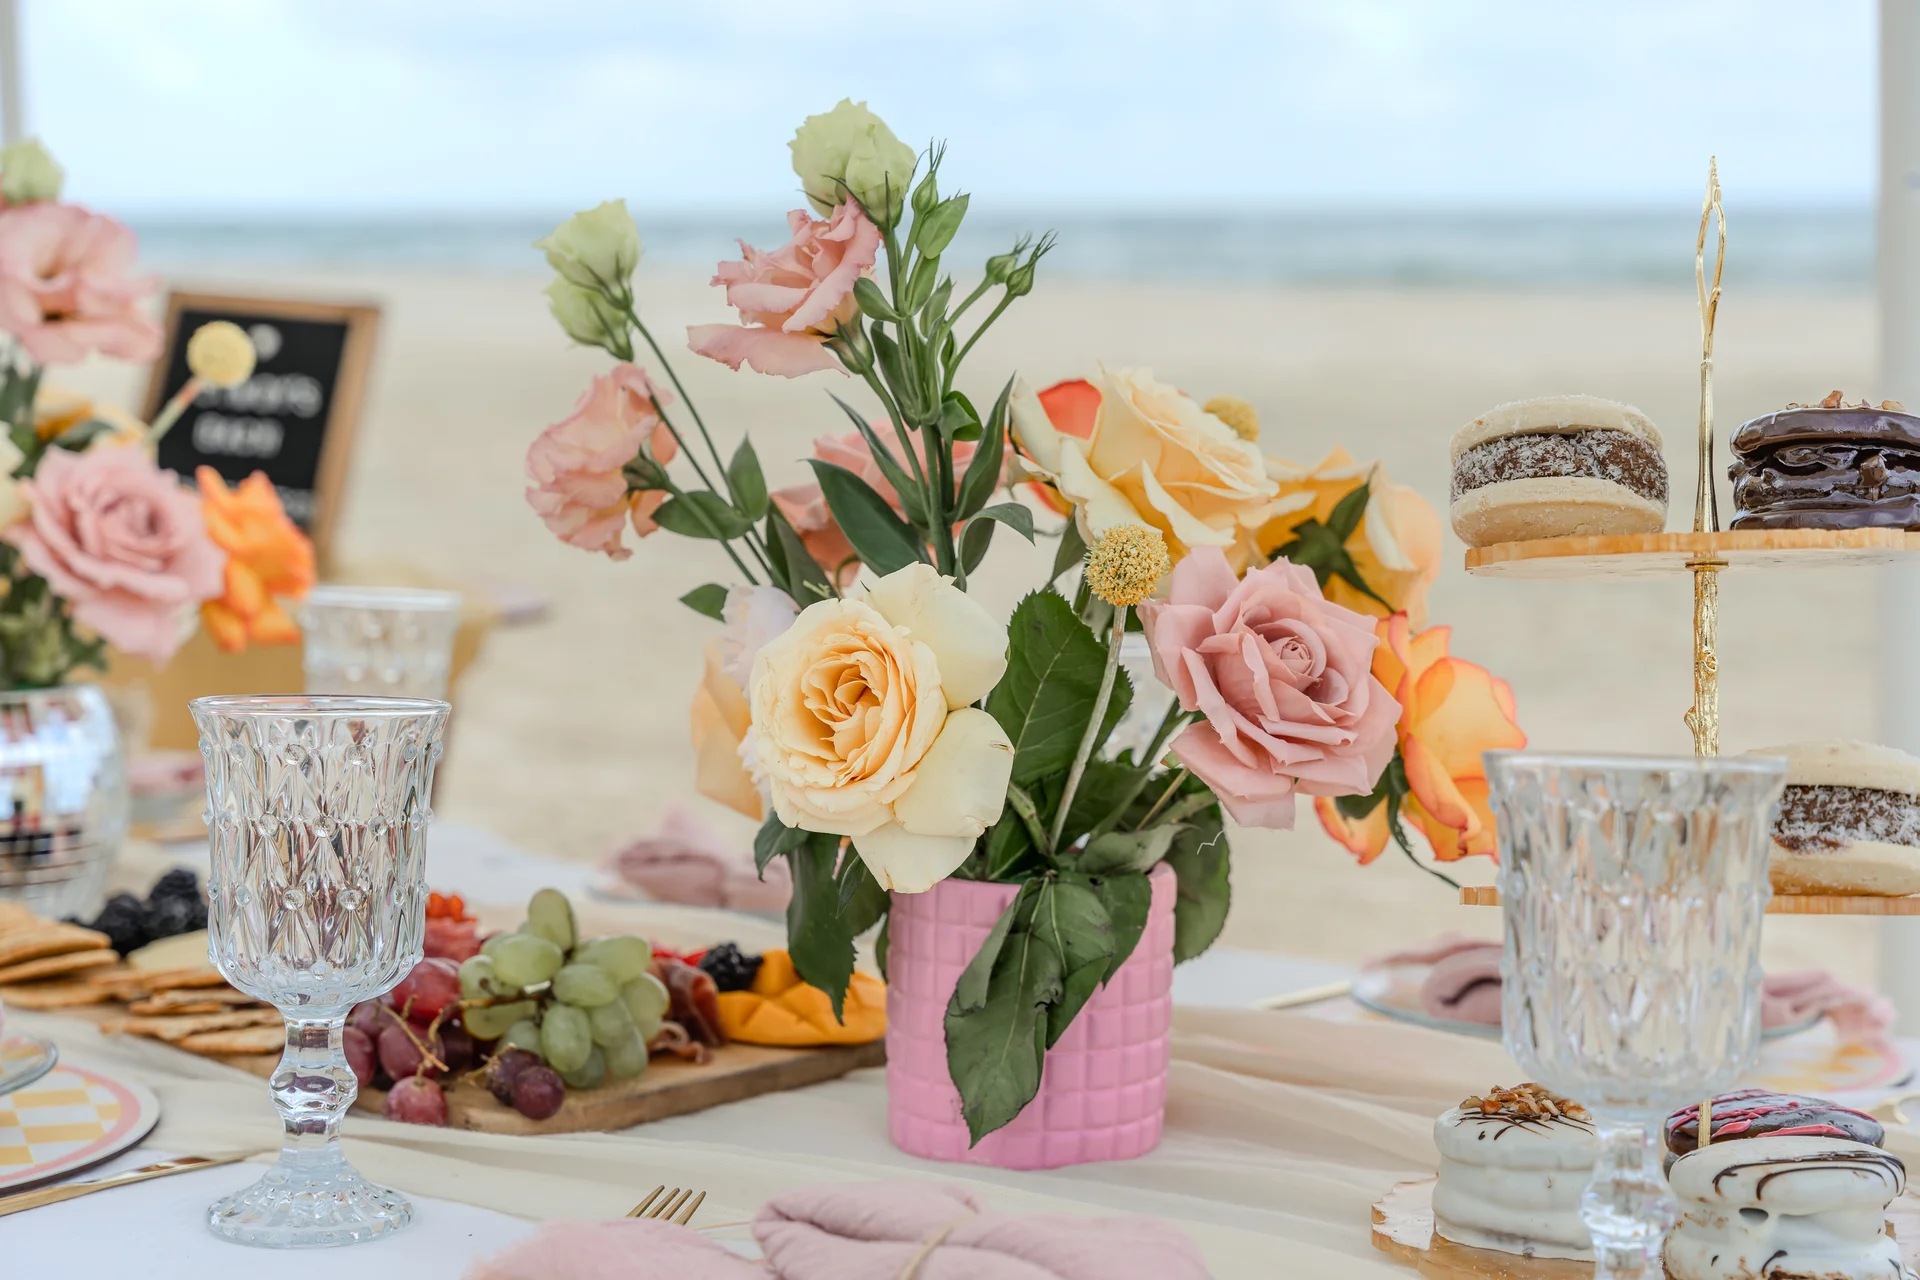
{"points": [[624, 1249], [686, 863], [1860, 1016]]}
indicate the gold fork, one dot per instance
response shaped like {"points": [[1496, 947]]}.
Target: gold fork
{"points": [[673, 1206], [73, 1190]]}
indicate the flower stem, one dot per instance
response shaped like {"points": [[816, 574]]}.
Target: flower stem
{"points": [[1116, 635], [170, 413], [1400, 838], [1179, 776], [1172, 720]]}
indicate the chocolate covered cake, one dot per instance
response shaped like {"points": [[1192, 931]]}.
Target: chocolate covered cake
{"points": [[1828, 466], [1760, 1113], [1849, 820], [1555, 467]]}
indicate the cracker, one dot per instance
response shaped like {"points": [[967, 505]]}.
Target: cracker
{"points": [[47, 940], [177, 1027], [54, 966], [192, 1000], [134, 984], [249, 1040], [53, 995], [14, 916]]}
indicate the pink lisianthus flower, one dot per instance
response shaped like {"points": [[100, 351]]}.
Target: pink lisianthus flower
{"points": [[1283, 679], [792, 299], [122, 542], [65, 287], [575, 464]]}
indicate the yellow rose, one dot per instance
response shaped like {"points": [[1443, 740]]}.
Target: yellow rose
{"points": [[863, 728], [1152, 457], [720, 721], [1396, 548], [221, 353]]}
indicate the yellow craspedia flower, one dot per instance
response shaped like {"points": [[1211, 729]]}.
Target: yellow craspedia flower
{"points": [[1236, 413], [1127, 563], [221, 353]]}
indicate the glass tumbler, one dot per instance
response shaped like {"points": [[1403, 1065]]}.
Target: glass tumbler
{"points": [[317, 812], [393, 641], [1633, 889]]}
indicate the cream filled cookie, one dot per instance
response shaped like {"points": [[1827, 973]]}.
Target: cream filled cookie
{"points": [[1849, 820], [1512, 1167], [1785, 1206], [1555, 467]]}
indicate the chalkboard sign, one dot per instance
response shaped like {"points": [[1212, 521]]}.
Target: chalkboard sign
{"points": [[293, 419]]}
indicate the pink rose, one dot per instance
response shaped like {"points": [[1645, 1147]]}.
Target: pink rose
{"points": [[1284, 680], [793, 298], [65, 290], [122, 542], [578, 488]]}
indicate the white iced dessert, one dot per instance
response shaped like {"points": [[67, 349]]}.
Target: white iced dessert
{"points": [[1785, 1206], [1512, 1168]]}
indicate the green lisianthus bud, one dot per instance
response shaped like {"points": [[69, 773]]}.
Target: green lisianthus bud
{"points": [[1001, 265], [597, 248], [925, 196], [1020, 281], [588, 317], [850, 150], [28, 173]]}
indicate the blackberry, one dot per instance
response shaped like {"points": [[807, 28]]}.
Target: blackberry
{"points": [[730, 968], [124, 921], [177, 883], [167, 916]]}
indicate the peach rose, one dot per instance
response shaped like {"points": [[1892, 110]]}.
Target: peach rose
{"points": [[1396, 548], [1283, 679], [1151, 456], [122, 543], [863, 723], [575, 464], [721, 721], [794, 298], [1452, 711], [65, 290]]}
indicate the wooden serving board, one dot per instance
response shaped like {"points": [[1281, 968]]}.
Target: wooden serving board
{"points": [[1651, 555], [668, 1087], [1403, 1230], [1781, 904]]}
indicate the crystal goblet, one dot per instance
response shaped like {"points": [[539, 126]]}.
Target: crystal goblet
{"points": [[317, 812], [392, 641], [1633, 889]]}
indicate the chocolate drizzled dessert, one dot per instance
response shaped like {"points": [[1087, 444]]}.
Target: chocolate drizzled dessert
{"points": [[1849, 820], [1513, 1165], [1755, 1113], [1828, 466]]}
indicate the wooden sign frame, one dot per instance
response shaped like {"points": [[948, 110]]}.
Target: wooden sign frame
{"points": [[349, 390]]}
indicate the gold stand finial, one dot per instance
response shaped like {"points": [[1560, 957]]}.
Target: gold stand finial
{"points": [[1704, 717]]}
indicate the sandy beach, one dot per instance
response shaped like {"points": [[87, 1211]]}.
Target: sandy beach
{"points": [[571, 734]]}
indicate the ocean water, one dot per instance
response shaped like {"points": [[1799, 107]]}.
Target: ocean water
{"points": [[1819, 249]]}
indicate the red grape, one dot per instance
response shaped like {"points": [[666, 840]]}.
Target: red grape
{"points": [[538, 1092], [453, 940], [456, 1047], [416, 1102], [367, 1016], [399, 1054], [432, 986], [506, 1068], [360, 1056]]}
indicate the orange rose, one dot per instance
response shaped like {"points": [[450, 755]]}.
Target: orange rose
{"points": [[1451, 711], [1395, 549], [268, 559]]}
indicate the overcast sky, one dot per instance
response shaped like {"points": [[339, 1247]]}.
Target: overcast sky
{"points": [[484, 106]]}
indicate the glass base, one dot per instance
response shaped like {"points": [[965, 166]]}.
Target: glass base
{"points": [[294, 1208]]}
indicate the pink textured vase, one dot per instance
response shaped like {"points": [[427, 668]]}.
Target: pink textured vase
{"points": [[1103, 1093]]}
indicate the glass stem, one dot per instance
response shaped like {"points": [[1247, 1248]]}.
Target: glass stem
{"points": [[313, 1086], [1627, 1206]]}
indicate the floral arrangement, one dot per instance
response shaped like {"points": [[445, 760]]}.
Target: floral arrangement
{"points": [[886, 729], [98, 545]]}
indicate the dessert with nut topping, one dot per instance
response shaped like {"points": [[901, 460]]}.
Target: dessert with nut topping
{"points": [[1830, 465], [1513, 1163]]}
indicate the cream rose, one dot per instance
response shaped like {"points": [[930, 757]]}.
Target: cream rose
{"points": [[1150, 455], [862, 724]]}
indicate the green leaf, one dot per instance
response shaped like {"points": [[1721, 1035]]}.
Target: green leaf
{"points": [[883, 944], [643, 473], [862, 900], [920, 282], [774, 839], [983, 472], [794, 568], [1347, 514], [1200, 859], [893, 369], [936, 309], [974, 542], [818, 938], [872, 302], [933, 232], [1104, 788], [1073, 549], [77, 437], [970, 992], [883, 541], [1069, 917], [958, 421], [1012, 515], [903, 484], [749, 485], [1128, 899], [710, 599], [701, 514], [1118, 852], [1010, 851], [995, 1053], [1054, 665]]}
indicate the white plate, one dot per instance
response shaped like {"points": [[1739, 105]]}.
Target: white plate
{"points": [[66, 1120]]}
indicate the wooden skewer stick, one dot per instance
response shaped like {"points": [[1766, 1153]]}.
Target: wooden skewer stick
{"points": [[1706, 1122]]}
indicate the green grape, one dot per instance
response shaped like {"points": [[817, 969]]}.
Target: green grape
{"points": [[625, 958], [478, 980], [525, 959], [491, 1021], [524, 1034], [611, 1022], [590, 1076], [585, 986], [550, 915], [626, 1058], [646, 999], [566, 1038]]}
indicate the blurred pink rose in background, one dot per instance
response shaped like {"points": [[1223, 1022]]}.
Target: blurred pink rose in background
{"points": [[793, 298], [123, 542], [1284, 680], [575, 464], [65, 290]]}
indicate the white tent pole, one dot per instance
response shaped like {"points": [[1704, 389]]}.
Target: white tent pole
{"points": [[13, 118], [1899, 267]]}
